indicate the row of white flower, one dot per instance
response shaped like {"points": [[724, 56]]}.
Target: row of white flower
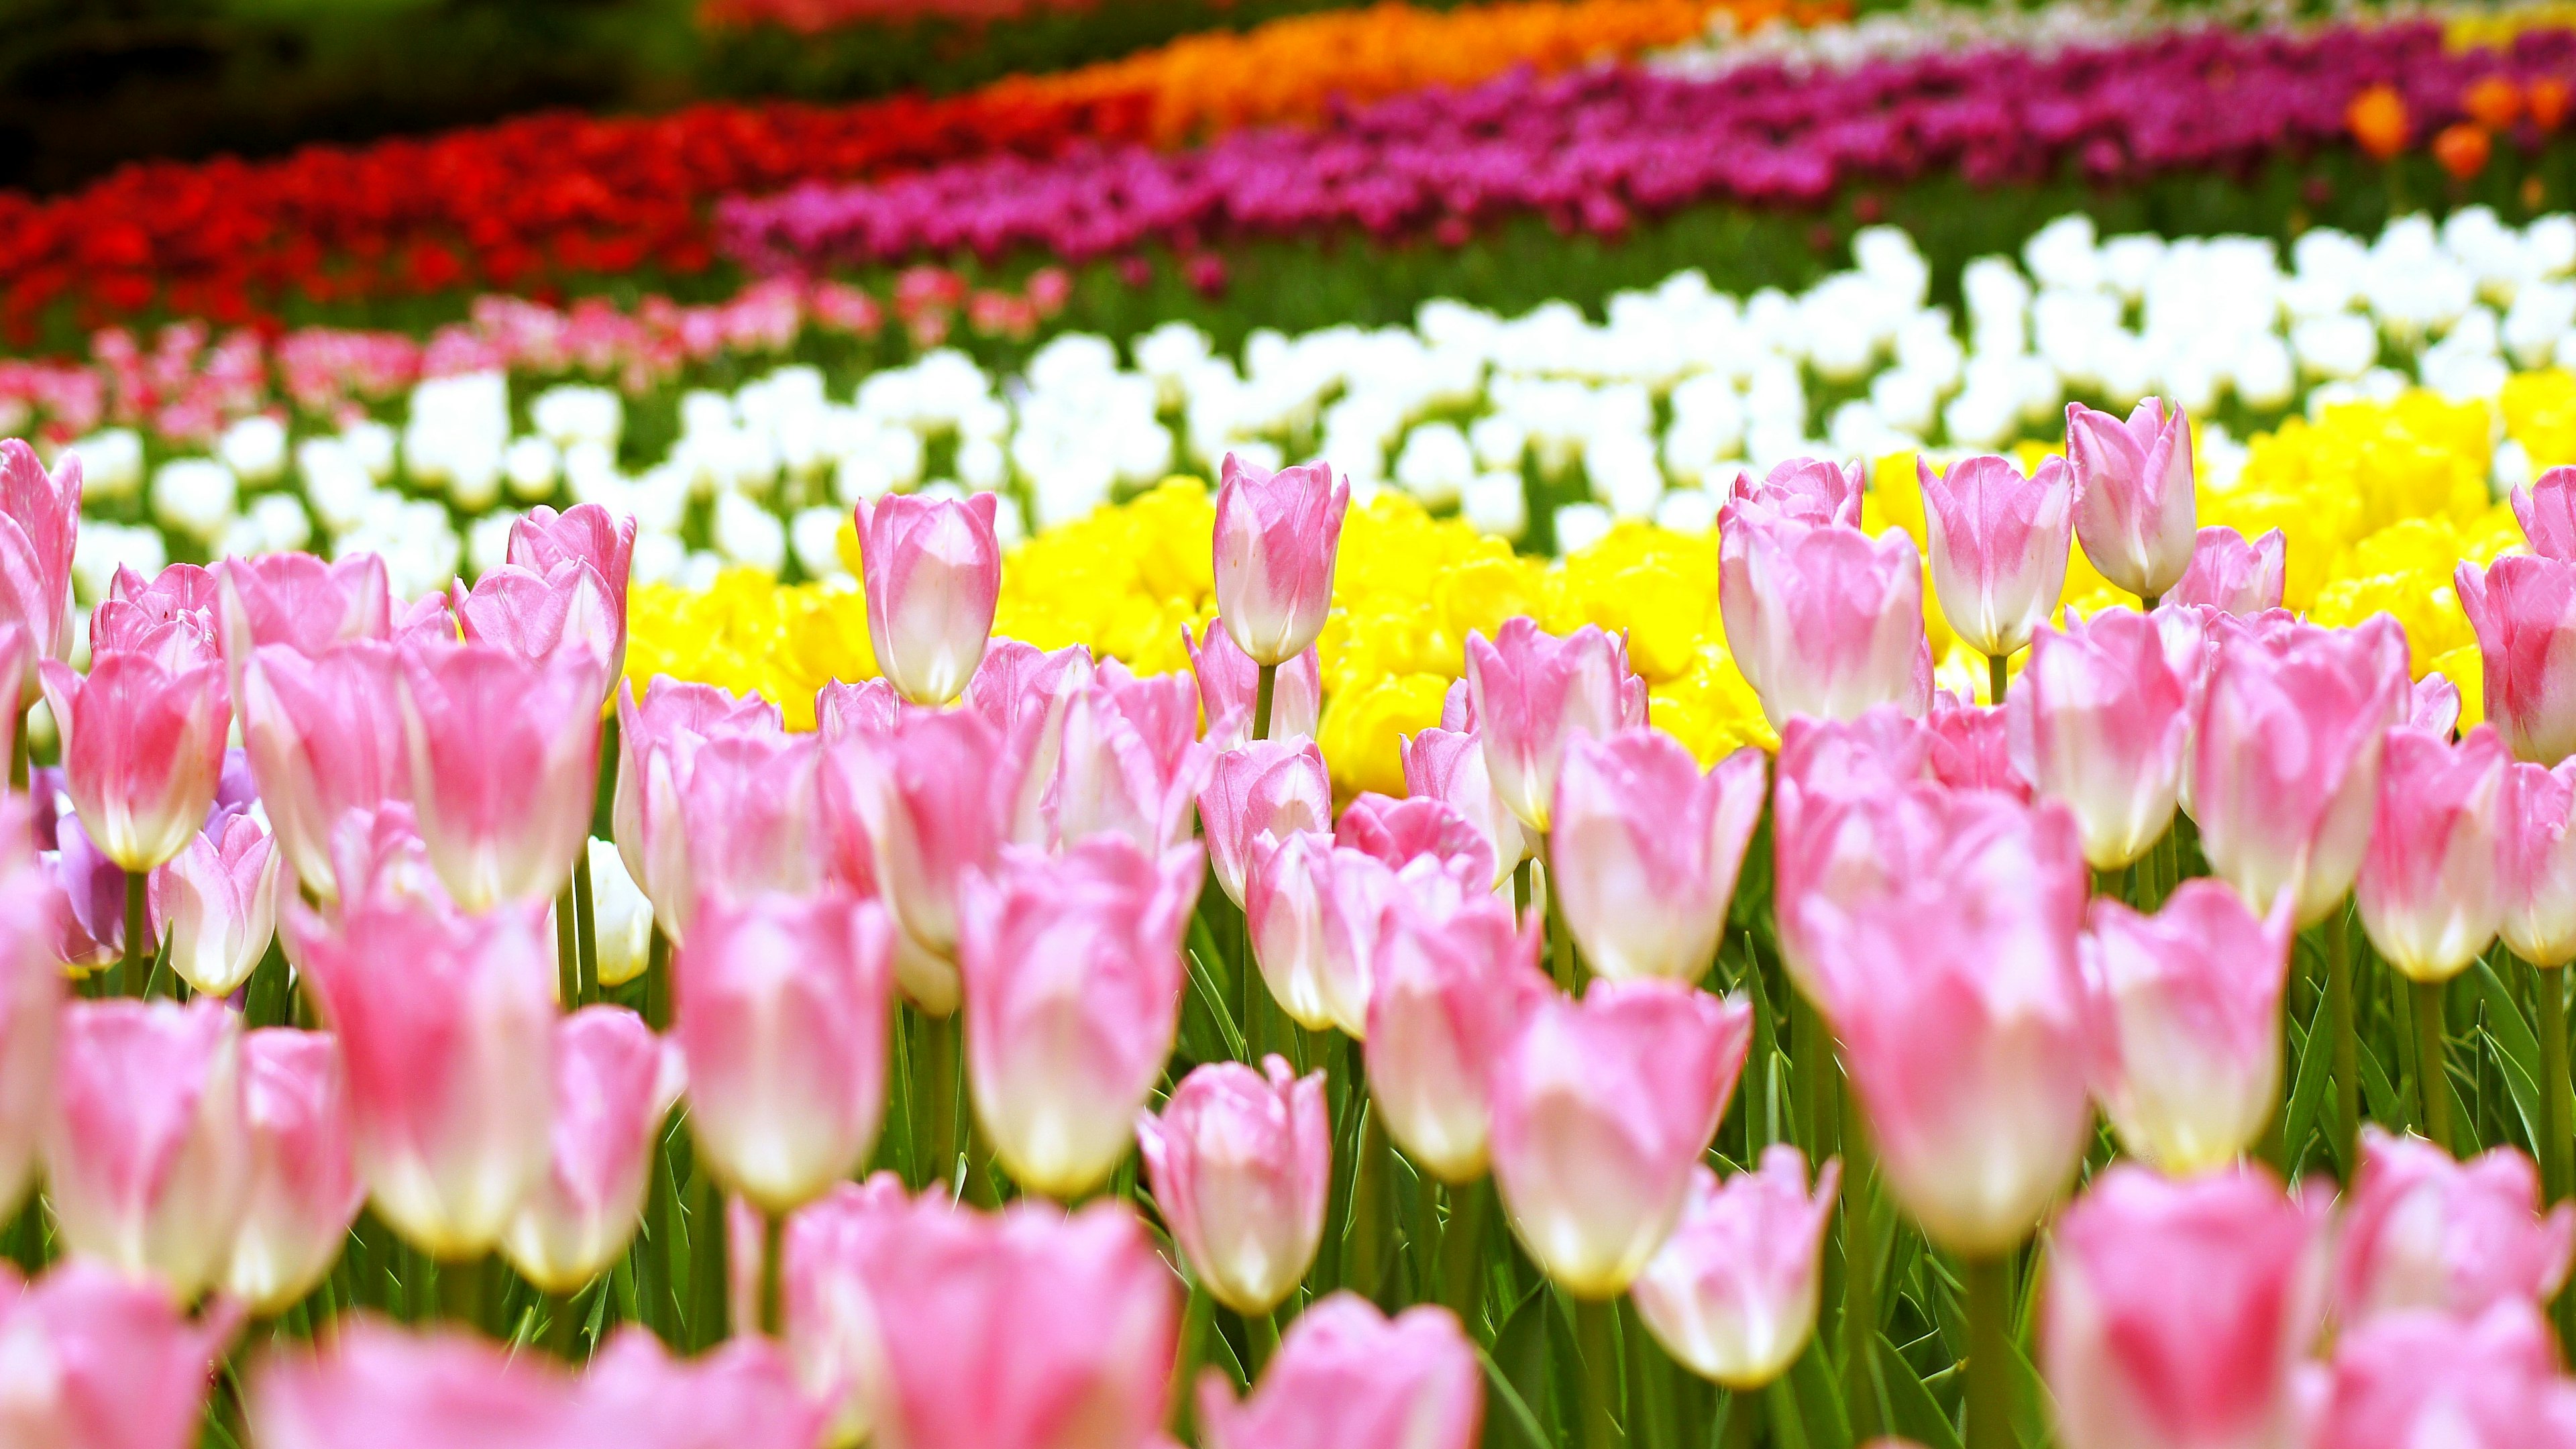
{"points": [[1647, 411]]}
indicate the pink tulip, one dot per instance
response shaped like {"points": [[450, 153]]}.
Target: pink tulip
{"points": [[538, 615], [741, 1394], [2233, 576], [1956, 996], [1532, 691], [31, 991], [1601, 1109], [138, 615], [2187, 1008], [1970, 747], [2417, 1379], [2102, 721], [1353, 891], [2547, 512], [1277, 536], [933, 569], [143, 746], [304, 1189], [2433, 705], [2523, 608], [216, 906], [145, 1164], [2178, 1311], [96, 1361], [1846, 799], [614, 1083], [1132, 760], [1241, 1162], [937, 799], [1823, 621], [2286, 759], [2428, 893], [1348, 1377], [867, 709], [1646, 848], [1732, 1293], [829, 1325], [1026, 1329], [1999, 543], [589, 534], [2421, 1230], [1230, 683], [1812, 491], [299, 601], [2536, 863], [1272, 786], [1284, 885], [388, 1388], [325, 737], [781, 1010], [1072, 968], [1024, 692], [673, 719], [1396, 833], [445, 1059], [379, 859], [39, 521], [504, 766], [753, 810], [1449, 766], [2134, 507]]}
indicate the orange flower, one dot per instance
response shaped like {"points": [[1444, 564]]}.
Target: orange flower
{"points": [[2493, 102], [2377, 120], [2548, 98], [2462, 149]]}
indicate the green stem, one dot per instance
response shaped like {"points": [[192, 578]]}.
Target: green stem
{"points": [[2432, 1074], [1564, 963], [130, 972], [657, 982], [773, 1252], [1994, 679], [1860, 1273], [1462, 1263], [1596, 1338], [1261, 695], [1369, 1209], [460, 1292], [1521, 889], [1743, 1421], [567, 952], [18, 771], [587, 919], [563, 1326], [2550, 986], [1261, 1334], [939, 1085], [1990, 1352], [1426, 1234], [2347, 1045], [2147, 602], [1185, 1363]]}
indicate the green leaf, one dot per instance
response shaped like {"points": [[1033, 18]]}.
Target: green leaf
{"points": [[2386, 1105], [1508, 1417], [1521, 1352], [1203, 986], [2517, 1048], [1916, 1414], [2308, 1087], [2032, 1409], [1820, 1400]]}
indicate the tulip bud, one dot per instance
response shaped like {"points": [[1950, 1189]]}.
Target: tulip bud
{"points": [[97, 1361], [504, 766], [539, 615], [2428, 892], [2233, 576], [936, 798], [1823, 620], [2547, 512], [1268, 786], [1645, 851], [1132, 760], [1023, 693], [2177, 1312], [1999, 543], [781, 1015], [143, 746], [2415, 1379], [1532, 692], [1348, 1376], [753, 807], [2134, 508], [444, 1058], [1449, 766], [933, 570], [1418, 849], [1229, 683], [601, 541], [2421, 1230], [39, 523], [297, 600], [1240, 1168], [325, 737], [1285, 882], [216, 905], [2102, 721], [304, 1189], [1812, 491], [1732, 1293], [1850, 804], [829, 1324], [1277, 537], [2187, 1003], [2523, 608], [145, 1164], [2536, 862], [673, 715], [1601, 1108], [1072, 968], [621, 918], [31, 992], [614, 1084]]}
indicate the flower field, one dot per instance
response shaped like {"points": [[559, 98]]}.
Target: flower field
{"points": [[1555, 725]]}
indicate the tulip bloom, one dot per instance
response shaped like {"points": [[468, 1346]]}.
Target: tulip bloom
{"points": [[444, 1058], [297, 600], [1732, 1293], [374, 1383], [614, 1083], [936, 798], [1646, 848], [753, 811], [139, 613], [1809, 490], [2102, 721], [2422, 1230], [621, 917], [1023, 692], [304, 1189], [742, 1394], [2233, 576], [1353, 890], [1957, 999], [39, 522], [216, 905], [1240, 1162], [1970, 747], [2523, 608], [143, 747], [2537, 862], [2187, 1004], [1824, 621], [504, 766], [2178, 1312], [1999, 544], [589, 534], [1348, 1376], [828, 1324], [1449, 766], [933, 569], [2547, 512], [1277, 537], [657, 741], [2285, 768], [145, 1164], [1851, 804], [1601, 1109], [1230, 683], [1285, 882], [1072, 968], [780, 1007], [2428, 892], [2416, 1379], [2433, 705], [325, 737], [99, 1361], [1132, 760], [2134, 508], [538, 615], [1268, 786], [1531, 692]]}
